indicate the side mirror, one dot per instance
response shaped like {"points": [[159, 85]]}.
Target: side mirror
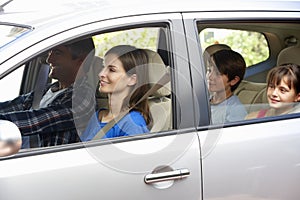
{"points": [[10, 138]]}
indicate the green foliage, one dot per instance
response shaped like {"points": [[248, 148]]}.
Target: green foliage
{"points": [[251, 45], [140, 38]]}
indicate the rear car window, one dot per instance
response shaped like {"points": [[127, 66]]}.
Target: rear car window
{"points": [[251, 45]]}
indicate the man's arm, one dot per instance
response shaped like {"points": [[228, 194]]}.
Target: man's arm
{"points": [[44, 120], [16, 104], [58, 116]]}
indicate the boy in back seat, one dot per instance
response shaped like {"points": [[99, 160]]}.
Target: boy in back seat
{"points": [[226, 69]]}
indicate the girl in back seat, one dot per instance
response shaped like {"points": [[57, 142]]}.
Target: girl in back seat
{"points": [[283, 91]]}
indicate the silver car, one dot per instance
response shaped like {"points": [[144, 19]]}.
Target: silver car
{"points": [[184, 156]]}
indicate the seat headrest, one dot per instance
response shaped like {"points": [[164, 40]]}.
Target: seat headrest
{"points": [[216, 47], [156, 70], [289, 55], [95, 66], [210, 50]]}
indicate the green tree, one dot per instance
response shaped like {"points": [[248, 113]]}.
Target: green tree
{"points": [[140, 38], [251, 45]]}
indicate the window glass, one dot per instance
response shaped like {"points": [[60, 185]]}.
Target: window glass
{"points": [[9, 33], [13, 80], [252, 46], [226, 70], [139, 37], [268, 46], [145, 38], [153, 116]]}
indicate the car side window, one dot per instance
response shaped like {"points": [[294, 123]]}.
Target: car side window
{"points": [[159, 103], [251, 45], [146, 38], [261, 49], [14, 80]]}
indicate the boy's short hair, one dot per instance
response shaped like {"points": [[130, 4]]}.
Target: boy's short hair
{"points": [[230, 63]]}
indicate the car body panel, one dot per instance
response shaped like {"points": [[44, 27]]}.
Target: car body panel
{"points": [[259, 163], [257, 160], [109, 171], [88, 170], [51, 23]]}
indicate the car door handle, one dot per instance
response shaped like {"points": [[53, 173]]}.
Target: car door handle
{"points": [[166, 176]]}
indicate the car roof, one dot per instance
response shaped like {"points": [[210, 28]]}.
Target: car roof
{"points": [[47, 18], [36, 13]]}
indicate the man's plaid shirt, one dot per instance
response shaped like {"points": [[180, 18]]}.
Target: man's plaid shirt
{"points": [[60, 122]]}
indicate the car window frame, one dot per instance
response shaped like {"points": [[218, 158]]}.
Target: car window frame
{"points": [[191, 20], [176, 41]]}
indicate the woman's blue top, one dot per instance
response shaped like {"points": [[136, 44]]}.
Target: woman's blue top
{"points": [[131, 124]]}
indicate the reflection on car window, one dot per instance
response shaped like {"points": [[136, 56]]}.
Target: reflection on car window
{"points": [[9, 33], [14, 80]]}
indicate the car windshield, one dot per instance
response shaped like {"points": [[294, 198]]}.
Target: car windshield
{"points": [[10, 32]]}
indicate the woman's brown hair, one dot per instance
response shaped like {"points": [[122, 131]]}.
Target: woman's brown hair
{"points": [[135, 61]]}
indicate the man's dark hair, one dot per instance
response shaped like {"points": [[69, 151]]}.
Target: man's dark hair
{"points": [[83, 48]]}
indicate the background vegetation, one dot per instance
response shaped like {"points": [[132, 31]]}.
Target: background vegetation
{"points": [[251, 45], [140, 38]]}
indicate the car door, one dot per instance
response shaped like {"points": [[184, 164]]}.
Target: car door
{"points": [[161, 165], [248, 159]]}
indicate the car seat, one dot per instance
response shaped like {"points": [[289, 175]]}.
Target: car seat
{"points": [[96, 66], [290, 55], [210, 50], [253, 95], [159, 101]]}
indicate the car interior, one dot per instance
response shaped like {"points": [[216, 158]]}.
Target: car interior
{"points": [[159, 101], [283, 45], [253, 94]]}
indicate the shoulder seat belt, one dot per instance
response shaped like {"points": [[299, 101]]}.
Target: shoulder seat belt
{"points": [[160, 83]]}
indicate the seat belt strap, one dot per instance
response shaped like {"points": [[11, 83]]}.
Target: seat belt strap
{"points": [[160, 83], [40, 85], [38, 94]]}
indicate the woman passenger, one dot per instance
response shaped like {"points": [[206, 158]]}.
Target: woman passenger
{"points": [[125, 79]]}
